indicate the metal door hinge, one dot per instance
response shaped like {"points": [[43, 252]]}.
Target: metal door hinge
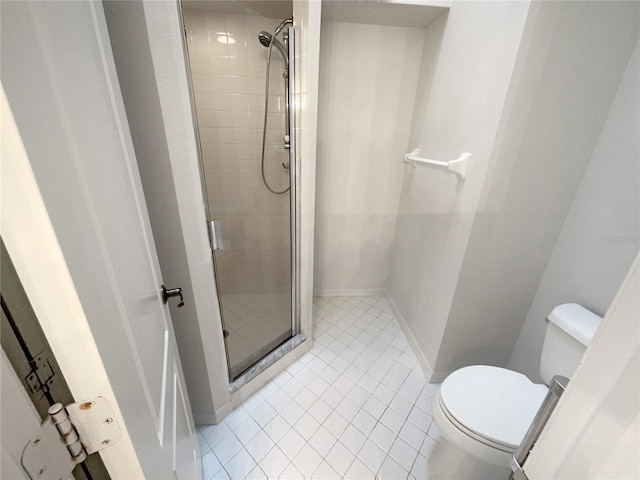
{"points": [[67, 436], [41, 374]]}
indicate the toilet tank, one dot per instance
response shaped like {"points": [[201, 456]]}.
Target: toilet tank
{"points": [[570, 329]]}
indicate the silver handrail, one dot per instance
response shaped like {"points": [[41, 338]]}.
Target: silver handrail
{"points": [[556, 389]]}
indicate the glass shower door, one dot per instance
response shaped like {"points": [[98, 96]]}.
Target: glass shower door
{"points": [[248, 193]]}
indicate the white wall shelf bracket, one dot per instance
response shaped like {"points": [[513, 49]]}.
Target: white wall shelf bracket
{"points": [[457, 166]]}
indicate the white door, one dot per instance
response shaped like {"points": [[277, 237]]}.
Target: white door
{"points": [[75, 224], [594, 432], [20, 421]]}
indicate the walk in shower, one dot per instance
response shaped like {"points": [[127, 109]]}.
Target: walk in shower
{"points": [[241, 70]]}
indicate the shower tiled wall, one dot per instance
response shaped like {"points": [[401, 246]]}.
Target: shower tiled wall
{"points": [[228, 67]]}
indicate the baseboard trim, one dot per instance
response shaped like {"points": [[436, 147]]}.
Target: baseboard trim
{"points": [[424, 363], [349, 292], [438, 377], [204, 418]]}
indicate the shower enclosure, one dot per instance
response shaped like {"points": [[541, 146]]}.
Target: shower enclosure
{"points": [[241, 67]]}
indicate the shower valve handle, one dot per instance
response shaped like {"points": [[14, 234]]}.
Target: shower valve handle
{"points": [[172, 292]]}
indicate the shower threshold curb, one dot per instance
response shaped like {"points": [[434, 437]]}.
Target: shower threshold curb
{"points": [[266, 362]]}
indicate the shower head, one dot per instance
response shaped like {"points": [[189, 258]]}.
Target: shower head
{"points": [[265, 40]]}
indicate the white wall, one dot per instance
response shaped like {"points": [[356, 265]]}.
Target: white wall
{"points": [[368, 76], [229, 87], [468, 257], [467, 64], [600, 236], [568, 70]]}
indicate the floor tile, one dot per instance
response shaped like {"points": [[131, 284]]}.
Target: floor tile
{"points": [[364, 422], [210, 465], [420, 467], [246, 430], [214, 433], [335, 423], [274, 462], [374, 407], [292, 412], [240, 465], [305, 398], [356, 406], [403, 453], [339, 457], [291, 473], [320, 410], [221, 475], [256, 474], [392, 420], [347, 409], [226, 449], [372, 455], [427, 446], [263, 414], [306, 426], [236, 417], [260, 445], [359, 471], [276, 428], [383, 437], [291, 443], [391, 470], [412, 435], [307, 460], [420, 419], [325, 472], [322, 440], [353, 439], [202, 443]]}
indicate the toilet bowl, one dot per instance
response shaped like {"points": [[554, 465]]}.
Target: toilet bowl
{"points": [[483, 412]]}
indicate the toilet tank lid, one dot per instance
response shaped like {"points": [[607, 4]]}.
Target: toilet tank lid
{"points": [[576, 320]]}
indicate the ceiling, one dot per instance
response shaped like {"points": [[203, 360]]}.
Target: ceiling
{"points": [[405, 13], [266, 8]]}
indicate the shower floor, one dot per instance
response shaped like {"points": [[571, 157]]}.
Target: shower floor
{"points": [[356, 407], [257, 323]]}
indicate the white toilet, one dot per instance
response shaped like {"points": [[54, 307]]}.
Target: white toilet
{"points": [[483, 412]]}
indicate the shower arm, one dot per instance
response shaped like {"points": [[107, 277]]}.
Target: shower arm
{"points": [[287, 21]]}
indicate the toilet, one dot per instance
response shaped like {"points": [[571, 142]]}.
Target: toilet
{"points": [[483, 412]]}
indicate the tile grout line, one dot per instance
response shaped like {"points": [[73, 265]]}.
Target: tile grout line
{"points": [[378, 311]]}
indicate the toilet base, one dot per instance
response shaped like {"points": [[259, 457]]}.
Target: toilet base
{"points": [[447, 462]]}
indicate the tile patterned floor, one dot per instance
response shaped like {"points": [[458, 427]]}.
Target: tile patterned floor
{"points": [[357, 407], [254, 321]]}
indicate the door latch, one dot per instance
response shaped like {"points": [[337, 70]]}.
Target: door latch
{"points": [[67, 436], [172, 292]]}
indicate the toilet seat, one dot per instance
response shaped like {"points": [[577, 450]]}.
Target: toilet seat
{"points": [[487, 410]]}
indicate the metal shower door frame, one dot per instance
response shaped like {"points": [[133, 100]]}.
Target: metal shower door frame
{"points": [[294, 198]]}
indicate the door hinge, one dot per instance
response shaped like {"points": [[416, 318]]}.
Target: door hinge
{"points": [[41, 374], [67, 436]]}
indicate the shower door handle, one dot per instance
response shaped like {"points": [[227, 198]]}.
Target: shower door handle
{"points": [[215, 234]]}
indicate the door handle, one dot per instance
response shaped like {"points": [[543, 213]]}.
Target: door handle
{"points": [[215, 234], [172, 292]]}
